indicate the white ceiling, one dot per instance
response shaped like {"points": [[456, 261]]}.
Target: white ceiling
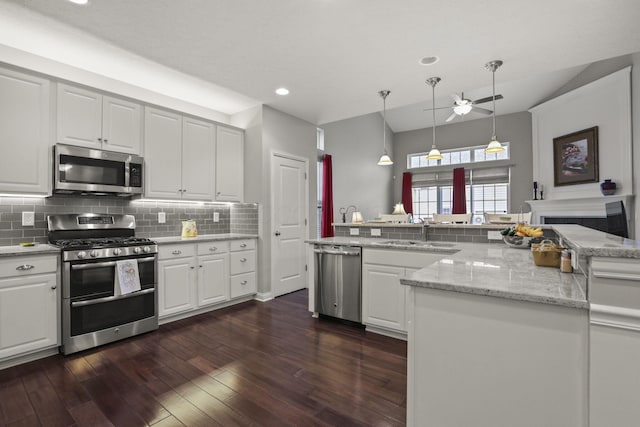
{"points": [[335, 55]]}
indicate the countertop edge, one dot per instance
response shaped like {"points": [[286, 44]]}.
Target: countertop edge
{"points": [[203, 238], [38, 249]]}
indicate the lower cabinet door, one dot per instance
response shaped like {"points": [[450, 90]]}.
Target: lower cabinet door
{"points": [[243, 284], [383, 297], [176, 286], [29, 314], [213, 279]]}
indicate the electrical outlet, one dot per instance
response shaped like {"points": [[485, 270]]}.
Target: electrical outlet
{"points": [[216, 217], [28, 219], [494, 235], [162, 217], [354, 231], [376, 232]]}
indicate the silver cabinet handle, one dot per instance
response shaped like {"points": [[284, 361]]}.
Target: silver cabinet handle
{"points": [[277, 233], [54, 287], [213, 249], [200, 266], [244, 282], [243, 259], [176, 252], [100, 139], [192, 267], [25, 267], [106, 141], [243, 245]]}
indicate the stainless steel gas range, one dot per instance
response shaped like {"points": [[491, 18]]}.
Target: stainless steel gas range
{"points": [[94, 311]]}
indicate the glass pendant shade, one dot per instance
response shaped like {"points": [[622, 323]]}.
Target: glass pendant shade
{"points": [[494, 146], [434, 154], [385, 160], [462, 109]]}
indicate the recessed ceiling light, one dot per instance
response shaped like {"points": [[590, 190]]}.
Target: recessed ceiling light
{"points": [[429, 60], [282, 91], [79, 1]]}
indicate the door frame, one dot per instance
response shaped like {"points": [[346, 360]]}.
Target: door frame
{"points": [[272, 184]]}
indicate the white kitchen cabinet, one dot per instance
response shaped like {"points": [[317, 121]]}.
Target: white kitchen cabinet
{"points": [[213, 273], [229, 157], [614, 332], [384, 299], [29, 305], [93, 120], [243, 266], [178, 156], [176, 279], [25, 165]]}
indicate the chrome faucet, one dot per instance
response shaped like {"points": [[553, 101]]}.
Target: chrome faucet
{"points": [[344, 212]]}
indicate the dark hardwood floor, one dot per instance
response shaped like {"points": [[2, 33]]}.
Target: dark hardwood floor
{"points": [[253, 364]]}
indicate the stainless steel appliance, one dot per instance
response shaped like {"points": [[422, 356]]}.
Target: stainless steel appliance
{"points": [[92, 311], [87, 171], [338, 281]]}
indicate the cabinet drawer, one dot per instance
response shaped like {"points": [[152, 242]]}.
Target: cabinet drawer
{"points": [[242, 245], [25, 265], [210, 248], [243, 284], [243, 262], [176, 251]]}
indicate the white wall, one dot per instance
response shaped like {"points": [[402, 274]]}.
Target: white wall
{"points": [[514, 128], [356, 146]]}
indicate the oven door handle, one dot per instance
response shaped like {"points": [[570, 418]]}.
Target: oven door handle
{"points": [[105, 264], [112, 298]]}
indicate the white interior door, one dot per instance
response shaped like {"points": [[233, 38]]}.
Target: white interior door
{"points": [[289, 220]]}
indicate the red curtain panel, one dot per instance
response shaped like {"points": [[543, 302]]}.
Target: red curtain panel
{"points": [[326, 227], [407, 194], [459, 195]]}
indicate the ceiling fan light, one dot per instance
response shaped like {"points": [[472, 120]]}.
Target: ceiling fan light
{"points": [[385, 160], [462, 109], [494, 146], [434, 154]]}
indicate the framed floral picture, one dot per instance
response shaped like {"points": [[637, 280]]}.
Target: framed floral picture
{"points": [[575, 157]]}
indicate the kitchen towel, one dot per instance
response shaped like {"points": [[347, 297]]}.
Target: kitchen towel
{"points": [[459, 196], [127, 277], [407, 196]]}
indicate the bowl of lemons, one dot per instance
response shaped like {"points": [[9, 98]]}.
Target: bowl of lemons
{"points": [[521, 236]]}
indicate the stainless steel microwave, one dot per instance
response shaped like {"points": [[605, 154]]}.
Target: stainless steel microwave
{"points": [[79, 170]]}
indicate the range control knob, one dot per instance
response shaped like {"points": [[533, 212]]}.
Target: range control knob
{"points": [[94, 253], [136, 250], [117, 251], [81, 255], [146, 249]]}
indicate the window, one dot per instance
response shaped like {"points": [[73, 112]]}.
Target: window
{"points": [[456, 157]]}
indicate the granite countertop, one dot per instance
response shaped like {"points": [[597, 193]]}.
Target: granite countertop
{"points": [[204, 238], [589, 242], [37, 249], [485, 269]]}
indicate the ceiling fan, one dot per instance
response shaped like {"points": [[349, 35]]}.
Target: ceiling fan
{"points": [[463, 106]]}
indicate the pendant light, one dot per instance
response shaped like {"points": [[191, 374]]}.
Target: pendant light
{"points": [[494, 145], [385, 160], [434, 154]]}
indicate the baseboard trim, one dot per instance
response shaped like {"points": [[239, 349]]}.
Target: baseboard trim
{"points": [[264, 296], [28, 357], [202, 310], [386, 332]]}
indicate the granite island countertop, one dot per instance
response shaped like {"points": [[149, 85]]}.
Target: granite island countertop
{"points": [[203, 238], [485, 269]]}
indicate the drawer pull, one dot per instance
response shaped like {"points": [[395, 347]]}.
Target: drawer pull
{"points": [[244, 282], [25, 267], [243, 259], [54, 287], [213, 249], [243, 245], [176, 252]]}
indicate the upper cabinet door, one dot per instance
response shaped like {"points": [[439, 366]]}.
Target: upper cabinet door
{"points": [[163, 154], [229, 165], [121, 125], [24, 131], [198, 138], [79, 117]]}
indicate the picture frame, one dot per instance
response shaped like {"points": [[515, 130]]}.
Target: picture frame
{"points": [[575, 157]]}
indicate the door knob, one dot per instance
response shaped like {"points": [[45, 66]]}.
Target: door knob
{"points": [[277, 233]]}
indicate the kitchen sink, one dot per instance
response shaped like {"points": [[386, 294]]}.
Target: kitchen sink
{"points": [[417, 243]]}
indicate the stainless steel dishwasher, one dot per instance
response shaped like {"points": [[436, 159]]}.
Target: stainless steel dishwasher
{"points": [[338, 281]]}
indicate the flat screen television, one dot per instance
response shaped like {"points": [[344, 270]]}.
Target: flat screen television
{"points": [[616, 219]]}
